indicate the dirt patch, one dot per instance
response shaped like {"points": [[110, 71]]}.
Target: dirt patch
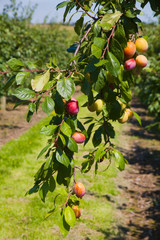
{"points": [[139, 202], [13, 122]]}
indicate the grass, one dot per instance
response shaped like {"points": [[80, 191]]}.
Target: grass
{"points": [[23, 217]]}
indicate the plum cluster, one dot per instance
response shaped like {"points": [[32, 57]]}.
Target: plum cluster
{"points": [[140, 61], [72, 108]]}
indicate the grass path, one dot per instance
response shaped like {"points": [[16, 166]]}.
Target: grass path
{"points": [[23, 217]]}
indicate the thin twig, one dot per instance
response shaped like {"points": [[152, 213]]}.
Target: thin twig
{"points": [[107, 47], [74, 174], [80, 42], [32, 71], [58, 131], [66, 202], [85, 10], [34, 100]]}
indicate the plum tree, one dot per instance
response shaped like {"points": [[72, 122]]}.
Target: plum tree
{"points": [[99, 59]]}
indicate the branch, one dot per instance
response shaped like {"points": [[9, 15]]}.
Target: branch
{"points": [[32, 71], [74, 174], [81, 41], [85, 10], [34, 100], [66, 202], [107, 47], [58, 131]]}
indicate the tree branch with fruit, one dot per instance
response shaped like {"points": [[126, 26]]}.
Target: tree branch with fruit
{"points": [[106, 61]]}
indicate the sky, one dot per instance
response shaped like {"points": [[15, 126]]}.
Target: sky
{"points": [[48, 8]]}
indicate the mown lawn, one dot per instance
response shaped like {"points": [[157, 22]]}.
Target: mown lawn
{"points": [[23, 217]]}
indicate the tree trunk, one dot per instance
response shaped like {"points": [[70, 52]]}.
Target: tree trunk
{"points": [[3, 103]]}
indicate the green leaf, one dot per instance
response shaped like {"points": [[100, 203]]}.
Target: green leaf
{"points": [[21, 76], [119, 160], [63, 140], [137, 117], [79, 25], [86, 166], [66, 87], [100, 83], [63, 226], [72, 48], [98, 46], [91, 65], [100, 153], [59, 104], [9, 82], [43, 151], [62, 4], [24, 93], [15, 64], [115, 111], [96, 51], [32, 107], [70, 217], [81, 127], [65, 129], [120, 35], [72, 123], [48, 105], [52, 184], [112, 65], [109, 20], [43, 191], [29, 116], [62, 157], [126, 91], [34, 189], [39, 81], [89, 132], [72, 145], [97, 138], [100, 63], [50, 213], [49, 85], [117, 50], [99, 42], [49, 130]]}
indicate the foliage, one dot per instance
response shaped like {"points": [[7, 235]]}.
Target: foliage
{"points": [[98, 60], [18, 163], [20, 40], [148, 83]]}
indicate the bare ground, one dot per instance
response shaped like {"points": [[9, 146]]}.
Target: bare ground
{"points": [[139, 201], [13, 122]]}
